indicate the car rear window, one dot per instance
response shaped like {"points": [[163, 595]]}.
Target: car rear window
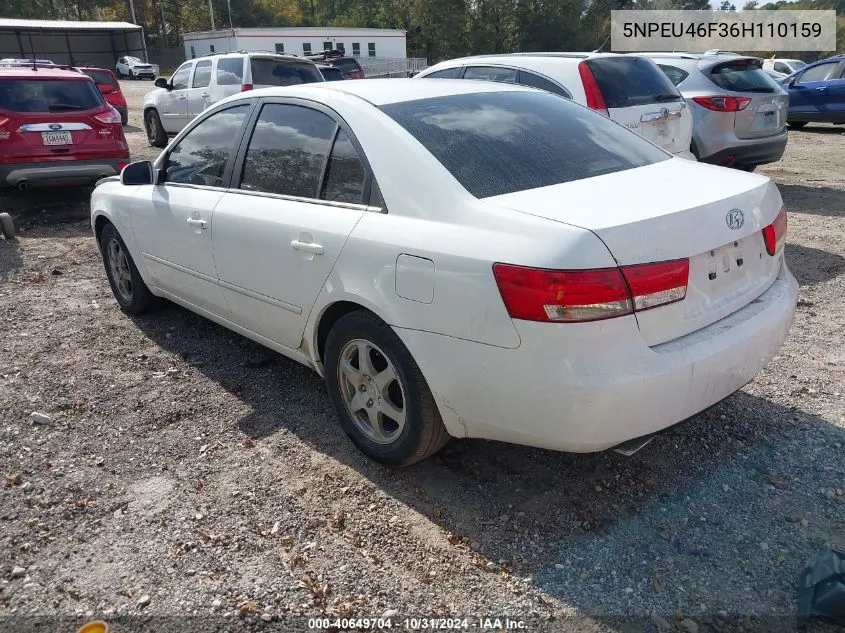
{"points": [[500, 142], [230, 71], [742, 75], [332, 74], [346, 64], [631, 81], [271, 72], [100, 77], [28, 95]]}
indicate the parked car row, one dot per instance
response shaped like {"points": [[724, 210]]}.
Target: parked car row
{"points": [[602, 289]]}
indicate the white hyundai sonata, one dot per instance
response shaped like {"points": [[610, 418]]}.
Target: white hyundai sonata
{"points": [[461, 259]]}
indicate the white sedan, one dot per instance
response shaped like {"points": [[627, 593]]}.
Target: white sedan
{"points": [[459, 258]]}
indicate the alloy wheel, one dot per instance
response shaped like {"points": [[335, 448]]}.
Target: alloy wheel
{"points": [[372, 391]]}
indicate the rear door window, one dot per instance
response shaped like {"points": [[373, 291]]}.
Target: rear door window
{"points": [[495, 143], [676, 75], [230, 71], [782, 68], [491, 73], [536, 81], [288, 150], [271, 72], [31, 95], [743, 75], [631, 81], [202, 75]]}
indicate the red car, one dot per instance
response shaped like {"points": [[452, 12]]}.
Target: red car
{"points": [[56, 128], [109, 86]]}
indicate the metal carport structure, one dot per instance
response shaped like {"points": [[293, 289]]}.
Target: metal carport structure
{"points": [[74, 43]]}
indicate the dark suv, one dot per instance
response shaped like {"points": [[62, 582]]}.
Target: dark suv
{"points": [[349, 66]]}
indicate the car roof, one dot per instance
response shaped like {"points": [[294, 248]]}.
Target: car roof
{"points": [[27, 72], [381, 92], [522, 57]]}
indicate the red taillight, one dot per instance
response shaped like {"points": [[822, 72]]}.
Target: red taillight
{"points": [[723, 104], [109, 116], [655, 285], [568, 296], [595, 100], [246, 87], [774, 234]]}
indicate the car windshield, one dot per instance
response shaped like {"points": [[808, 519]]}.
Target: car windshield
{"points": [[743, 75], [271, 72], [499, 142], [33, 95]]}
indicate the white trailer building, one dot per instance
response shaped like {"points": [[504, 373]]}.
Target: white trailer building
{"points": [[365, 44]]}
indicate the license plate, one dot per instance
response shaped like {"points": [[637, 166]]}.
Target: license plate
{"points": [[56, 138]]}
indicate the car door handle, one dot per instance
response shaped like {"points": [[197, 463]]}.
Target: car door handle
{"points": [[204, 95], [307, 247], [821, 88], [200, 224], [182, 97]]}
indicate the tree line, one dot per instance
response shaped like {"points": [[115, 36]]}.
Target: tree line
{"points": [[437, 29]]}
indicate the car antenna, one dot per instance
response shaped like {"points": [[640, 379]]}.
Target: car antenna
{"points": [[600, 49], [34, 65]]}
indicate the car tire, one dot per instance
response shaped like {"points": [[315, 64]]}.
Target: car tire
{"points": [[796, 125], [126, 283], [131, 75], [7, 226], [748, 168], [156, 136], [400, 424]]}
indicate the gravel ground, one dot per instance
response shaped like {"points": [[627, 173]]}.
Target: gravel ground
{"points": [[182, 470]]}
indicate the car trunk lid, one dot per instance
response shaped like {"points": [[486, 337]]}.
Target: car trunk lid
{"points": [[728, 263]]}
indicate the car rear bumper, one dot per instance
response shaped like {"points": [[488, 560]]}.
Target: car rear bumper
{"points": [[749, 152], [589, 387], [79, 172]]}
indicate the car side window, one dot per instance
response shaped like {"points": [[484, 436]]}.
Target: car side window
{"points": [[446, 73], [202, 75], [491, 73], [200, 158], [782, 68], [536, 81], [179, 81], [822, 72], [345, 173], [287, 151], [230, 71], [676, 75]]}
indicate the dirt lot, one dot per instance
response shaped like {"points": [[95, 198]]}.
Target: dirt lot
{"points": [[185, 471]]}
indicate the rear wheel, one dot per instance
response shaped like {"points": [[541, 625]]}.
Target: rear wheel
{"points": [[379, 393], [156, 136], [128, 288], [7, 227], [796, 125]]}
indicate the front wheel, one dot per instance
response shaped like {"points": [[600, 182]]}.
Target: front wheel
{"points": [[379, 393], [131, 75], [156, 136], [7, 227], [128, 288]]}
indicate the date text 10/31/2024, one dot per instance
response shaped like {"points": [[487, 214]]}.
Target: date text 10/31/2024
{"points": [[419, 624]]}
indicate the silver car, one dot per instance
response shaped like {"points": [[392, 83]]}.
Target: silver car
{"points": [[739, 111]]}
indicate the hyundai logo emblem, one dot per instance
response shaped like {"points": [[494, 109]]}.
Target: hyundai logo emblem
{"points": [[735, 219], [55, 126]]}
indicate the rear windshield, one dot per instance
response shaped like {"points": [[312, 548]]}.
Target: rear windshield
{"points": [[742, 75], [332, 74], [271, 72], [631, 81], [346, 64], [499, 142], [100, 77], [28, 95]]}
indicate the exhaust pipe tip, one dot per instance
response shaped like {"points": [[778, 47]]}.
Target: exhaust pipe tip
{"points": [[23, 185]]}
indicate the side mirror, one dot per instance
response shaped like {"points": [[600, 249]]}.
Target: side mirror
{"points": [[140, 173], [161, 82]]}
